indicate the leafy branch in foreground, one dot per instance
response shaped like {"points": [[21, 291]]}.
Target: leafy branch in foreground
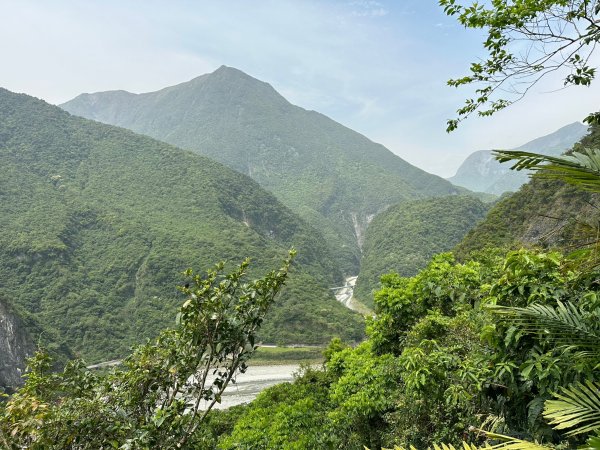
{"points": [[580, 168], [526, 41], [576, 407], [165, 389]]}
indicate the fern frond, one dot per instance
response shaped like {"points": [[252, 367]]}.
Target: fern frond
{"points": [[593, 443], [465, 446], [511, 443], [507, 443]]}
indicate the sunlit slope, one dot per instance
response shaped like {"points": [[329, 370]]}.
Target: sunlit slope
{"points": [[96, 224], [332, 176]]}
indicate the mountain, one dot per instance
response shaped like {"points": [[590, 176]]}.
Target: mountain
{"points": [[405, 237], [545, 213], [482, 173], [333, 177], [97, 224]]}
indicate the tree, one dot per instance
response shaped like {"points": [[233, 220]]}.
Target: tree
{"points": [[570, 327], [164, 391], [575, 409], [526, 41]]}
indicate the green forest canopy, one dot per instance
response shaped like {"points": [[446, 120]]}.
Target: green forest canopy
{"points": [[97, 224], [333, 177]]}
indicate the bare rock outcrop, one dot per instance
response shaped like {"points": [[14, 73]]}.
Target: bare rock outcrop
{"points": [[16, 345]]}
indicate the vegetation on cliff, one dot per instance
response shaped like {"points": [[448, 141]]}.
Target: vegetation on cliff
{"points": [[442, 356], [164, 391], [543, 212]]}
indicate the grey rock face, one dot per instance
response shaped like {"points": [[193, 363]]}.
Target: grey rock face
{"points": [[16, 346]]}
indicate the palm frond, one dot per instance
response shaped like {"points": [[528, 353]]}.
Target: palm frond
{"points": [[465, 446], [511, 443], [565, 324], [507, 443], [580, 168], [576, 407]]}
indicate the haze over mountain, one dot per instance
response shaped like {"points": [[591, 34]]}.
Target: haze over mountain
{"points": [[333, 177], [480, 172], [97, 223], [545, 213]]}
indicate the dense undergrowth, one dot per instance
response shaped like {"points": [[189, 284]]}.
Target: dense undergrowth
{"points": [[438, 361]]}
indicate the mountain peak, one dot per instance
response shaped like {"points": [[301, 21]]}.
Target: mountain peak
{"points": [[234, 79], [231, 75], [224, 83], [334, 177], [230, 70]]}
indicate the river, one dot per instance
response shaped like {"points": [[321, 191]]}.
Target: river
{"points": [[251, 383]]}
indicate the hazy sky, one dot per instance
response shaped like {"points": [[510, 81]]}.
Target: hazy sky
{"points": [[379, 67]]}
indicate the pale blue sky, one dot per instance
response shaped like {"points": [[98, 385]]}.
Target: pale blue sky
{"points": [[379, 67]]}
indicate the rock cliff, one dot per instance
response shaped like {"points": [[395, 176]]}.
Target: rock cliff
{"points": [[16, 345]]}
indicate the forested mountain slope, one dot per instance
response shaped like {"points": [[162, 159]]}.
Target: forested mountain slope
{"points": [[542, 212], [405, 237], [481, 172], [333, 177], [97, 223]]}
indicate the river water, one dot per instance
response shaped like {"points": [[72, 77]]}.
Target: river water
{"points": [[344, 294], [257, 378], [251, 383]]}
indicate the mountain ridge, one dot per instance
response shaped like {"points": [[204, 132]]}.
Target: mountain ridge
{"points": [[405, 237], [333, 177], [542, 213]]}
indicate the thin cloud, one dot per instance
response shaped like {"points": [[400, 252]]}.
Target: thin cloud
{"points": [[367, 8]]}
